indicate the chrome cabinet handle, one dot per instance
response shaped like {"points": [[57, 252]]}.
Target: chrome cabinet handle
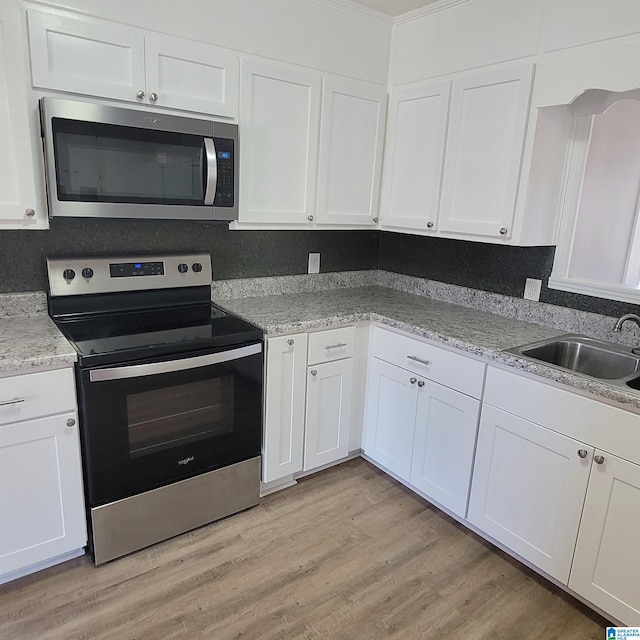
{"points": [[290, 342], [140, 95], [12, 401], [429, 225], [314, 372], [583, 453], [413, 380], [30, 213], [309, 218], [598, 459], [416, 359], [421, 383], [71, 422], [503, 231], [336, 346], [153, 97], [375, 219]]}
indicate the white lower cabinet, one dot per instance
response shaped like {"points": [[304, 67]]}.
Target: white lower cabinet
{"points": [[308, 401], [606, 565], [285, 388], [417, 428], [528, 489], [391, 408], [328, 415], [42, 515]]}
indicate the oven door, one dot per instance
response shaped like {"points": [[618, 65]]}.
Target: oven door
{"points": [[151, 423]]}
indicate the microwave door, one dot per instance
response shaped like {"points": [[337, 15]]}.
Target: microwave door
{"points": [[211, 173]]}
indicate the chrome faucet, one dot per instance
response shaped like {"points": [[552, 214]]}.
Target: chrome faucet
{"points": [[624, 318]]}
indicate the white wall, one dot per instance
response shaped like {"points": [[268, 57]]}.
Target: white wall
{"points": [[303, 32]]}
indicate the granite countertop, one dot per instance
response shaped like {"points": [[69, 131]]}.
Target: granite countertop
{"points": [[32, 343], [480, 333]]}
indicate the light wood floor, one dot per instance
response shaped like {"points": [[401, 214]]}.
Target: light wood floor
{"points": [[346, 554]]}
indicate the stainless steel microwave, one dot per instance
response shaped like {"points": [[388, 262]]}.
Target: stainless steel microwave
{"points": [[111, 162]]}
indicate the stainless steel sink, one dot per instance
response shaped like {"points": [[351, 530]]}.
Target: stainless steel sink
{"points": [[587, 357]]}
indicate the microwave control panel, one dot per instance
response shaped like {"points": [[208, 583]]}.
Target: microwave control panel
{"points": [[225, 161]]}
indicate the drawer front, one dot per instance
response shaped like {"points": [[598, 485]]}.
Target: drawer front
{"points": [[453, 370], [333, 344], [36, 394]]}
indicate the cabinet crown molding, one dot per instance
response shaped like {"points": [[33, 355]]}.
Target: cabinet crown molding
{"points": [[354, 7]]}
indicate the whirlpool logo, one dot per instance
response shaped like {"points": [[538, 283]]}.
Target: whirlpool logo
{"points": [[187, 460]]}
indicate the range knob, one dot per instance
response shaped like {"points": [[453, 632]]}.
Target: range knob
{"points": [[87, 273], [68, 274], [197, 267], [183, 268]]}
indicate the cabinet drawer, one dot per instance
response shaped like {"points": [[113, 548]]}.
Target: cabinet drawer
{"points": [[333, 344], [36, 394], [431, 362]]}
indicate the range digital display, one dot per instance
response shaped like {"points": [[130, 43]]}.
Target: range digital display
{"points": [[134, 269]]}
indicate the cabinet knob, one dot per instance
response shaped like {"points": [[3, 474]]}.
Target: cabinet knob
{"points": [[375, 219], [314, 372], [413, 380], [429, 225], [421, 383], [71, 422], [140, 95], [153, 97], [290, 342], [309, 218], [30, 213], [503, 231], [583, 453], [598, 459]]}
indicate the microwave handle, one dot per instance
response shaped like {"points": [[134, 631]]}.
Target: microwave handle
{"points": [[212, 170], [138, 370]]}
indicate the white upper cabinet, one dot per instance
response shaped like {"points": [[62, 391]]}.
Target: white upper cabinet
{"points": [[280, 114], [191, 75], [20, 206], [78, 54], [351, 142], [484, 151], [416, 136]]}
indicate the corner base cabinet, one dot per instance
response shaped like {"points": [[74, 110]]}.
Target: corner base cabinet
{"points": [[42, 515]]}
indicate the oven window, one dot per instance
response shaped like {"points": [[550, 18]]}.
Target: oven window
{"points": [[170, 417], [108, 163]]}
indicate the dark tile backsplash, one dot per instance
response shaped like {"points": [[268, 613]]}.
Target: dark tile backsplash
{"points": [[489, 267], [244, 254], [234, 254]]}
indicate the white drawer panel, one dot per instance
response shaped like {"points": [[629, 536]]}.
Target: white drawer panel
{"points": [[453, 370], [333, 344], [37, 394]]}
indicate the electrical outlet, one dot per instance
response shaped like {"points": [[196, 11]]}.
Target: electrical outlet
{"points": [[532, 289], [314, 263]]}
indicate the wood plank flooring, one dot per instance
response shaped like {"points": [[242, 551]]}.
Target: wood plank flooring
{"points": [[346, 554]]}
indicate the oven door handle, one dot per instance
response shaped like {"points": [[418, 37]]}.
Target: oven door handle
{"points": [[138, 370], [212, 170]]}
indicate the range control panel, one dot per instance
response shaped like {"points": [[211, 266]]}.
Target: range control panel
{"points": [[80, 276]]}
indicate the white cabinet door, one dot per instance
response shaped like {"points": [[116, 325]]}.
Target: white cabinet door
{"points": [[41, 500], [414, 156], [484, 151], [280, 114], [528, 489], [351, 143], [19, 206], [189, 75], [606, 565], [286, 369], [328, 413], [391, 406], [85, 55], [445, 439]]}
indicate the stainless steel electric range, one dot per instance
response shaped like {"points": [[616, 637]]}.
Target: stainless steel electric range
{"points": [[169, 394]]}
